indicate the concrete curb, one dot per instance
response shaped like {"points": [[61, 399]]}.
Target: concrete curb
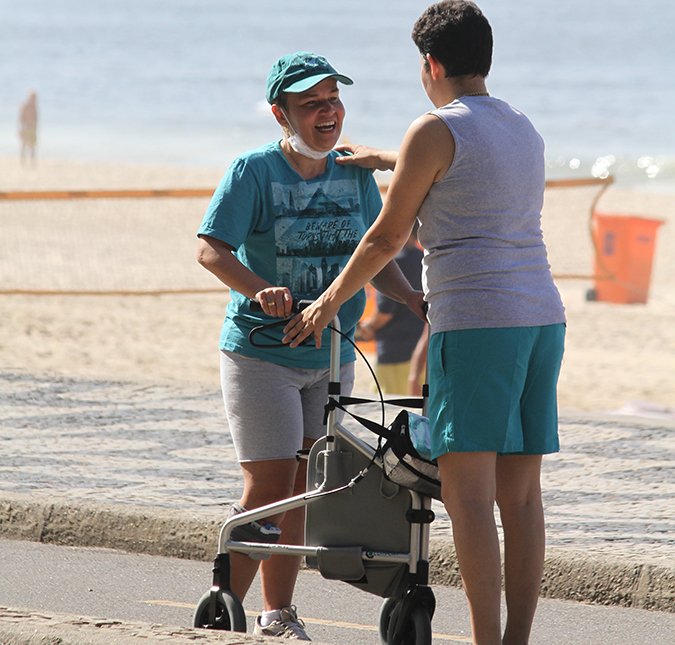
{"points": [[136, 529], [568, 575]]}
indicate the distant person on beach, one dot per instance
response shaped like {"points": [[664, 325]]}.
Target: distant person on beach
{"points": [[282, 224], [472, 172], [28, 128], [396, 329]]}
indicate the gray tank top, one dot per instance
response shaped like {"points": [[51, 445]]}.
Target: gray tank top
{"points": [[485, 263]]}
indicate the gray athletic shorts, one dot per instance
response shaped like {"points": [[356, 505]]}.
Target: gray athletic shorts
{"points": [[270, 408]]}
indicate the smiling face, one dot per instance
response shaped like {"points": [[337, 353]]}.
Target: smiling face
{"points": [[317, 114]]}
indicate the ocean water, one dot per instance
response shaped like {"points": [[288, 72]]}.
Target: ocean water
{"points": [[182, 82]]}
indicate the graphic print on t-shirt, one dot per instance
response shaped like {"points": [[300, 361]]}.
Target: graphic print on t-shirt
{"points": [[317, 228]]}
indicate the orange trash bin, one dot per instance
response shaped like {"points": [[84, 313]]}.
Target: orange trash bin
{"points": [[623, 261]]}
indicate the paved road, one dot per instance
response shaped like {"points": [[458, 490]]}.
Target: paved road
{"points": [[124, 587]]}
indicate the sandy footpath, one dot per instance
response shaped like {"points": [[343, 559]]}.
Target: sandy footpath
{"points": [[616, 354]]}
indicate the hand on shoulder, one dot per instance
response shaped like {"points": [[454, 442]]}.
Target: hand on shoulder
{"points": [[366, 157]]}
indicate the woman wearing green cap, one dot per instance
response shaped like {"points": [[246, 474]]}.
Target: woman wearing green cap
{"points": [[282, 224]]}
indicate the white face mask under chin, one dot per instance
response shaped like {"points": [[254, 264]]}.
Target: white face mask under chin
{"points": [[296, 142]]}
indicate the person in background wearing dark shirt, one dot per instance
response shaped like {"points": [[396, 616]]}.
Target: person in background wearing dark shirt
{"points": [[397, 329]]}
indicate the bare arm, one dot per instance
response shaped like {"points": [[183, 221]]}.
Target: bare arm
{"points": [[217, 257], [426, 154], [392, 283], [367, 157]]}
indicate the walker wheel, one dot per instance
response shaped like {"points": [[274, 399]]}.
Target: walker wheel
{"points": [[385, 618], [416, 631], [230, 614]]}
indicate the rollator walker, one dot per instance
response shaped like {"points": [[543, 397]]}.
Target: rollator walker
{"points": [[361, 527]]}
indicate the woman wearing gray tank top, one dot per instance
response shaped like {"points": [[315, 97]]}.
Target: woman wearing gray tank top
{"points": [[472, 172]]}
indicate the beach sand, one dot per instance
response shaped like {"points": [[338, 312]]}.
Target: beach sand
{"points": [[618, 357]]}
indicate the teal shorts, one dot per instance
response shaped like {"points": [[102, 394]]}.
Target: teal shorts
{"points": [[494, 390]]}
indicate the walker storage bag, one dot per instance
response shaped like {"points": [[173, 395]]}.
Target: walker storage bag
{"points": [[406, 456], [367, 517]]}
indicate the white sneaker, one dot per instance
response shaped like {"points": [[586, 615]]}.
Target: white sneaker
{"points": [[288, 626]]}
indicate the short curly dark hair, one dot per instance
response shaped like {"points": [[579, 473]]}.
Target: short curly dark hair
{"points": [[457, 34]]}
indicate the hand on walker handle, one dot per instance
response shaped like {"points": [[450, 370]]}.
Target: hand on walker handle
{"points": [[319, 314], [275, 301], [312, 320], [418, 305]]}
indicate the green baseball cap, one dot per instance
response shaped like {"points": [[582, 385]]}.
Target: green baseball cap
{"points": [[299, 72]]}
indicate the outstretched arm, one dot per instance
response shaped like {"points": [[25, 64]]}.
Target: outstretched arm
{"points": [[426, 154], [366, 157]]}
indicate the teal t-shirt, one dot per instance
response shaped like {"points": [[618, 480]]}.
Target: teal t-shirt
{"points": [[292, 232]]}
